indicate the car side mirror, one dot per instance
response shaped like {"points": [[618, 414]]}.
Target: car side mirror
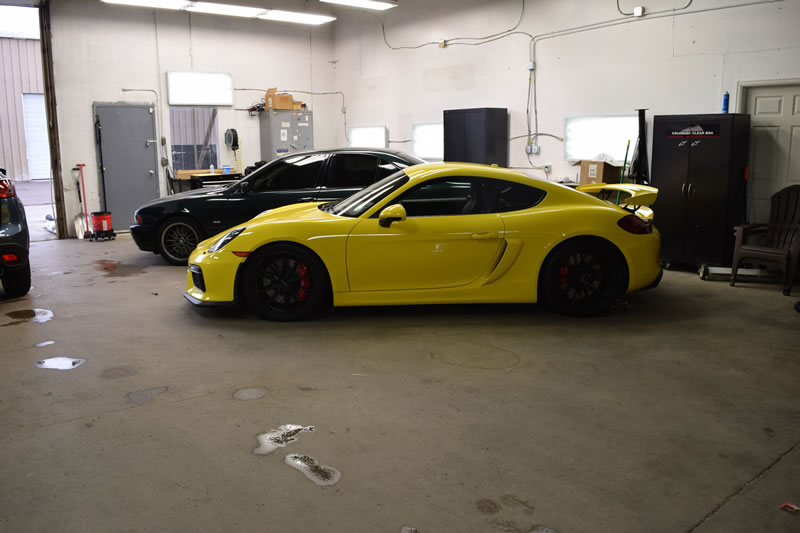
{"points": [[393, 213], [244, 187]]}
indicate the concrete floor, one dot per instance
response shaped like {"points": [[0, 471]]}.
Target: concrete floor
{"points": [[678, 411]]}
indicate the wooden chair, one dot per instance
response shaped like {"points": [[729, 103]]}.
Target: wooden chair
{"points": [[783, 238]]}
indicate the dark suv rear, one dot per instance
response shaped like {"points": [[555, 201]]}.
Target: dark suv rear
{"points": [[15, 269]]}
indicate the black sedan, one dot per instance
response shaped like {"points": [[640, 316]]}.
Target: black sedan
{"points": [[15, 269], [173, 226]]}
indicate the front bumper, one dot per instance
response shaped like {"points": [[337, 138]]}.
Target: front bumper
{"points": [[211, 277], [12, 248], [144, 235]]}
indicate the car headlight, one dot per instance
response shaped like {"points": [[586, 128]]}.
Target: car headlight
{"points": [[225, 239]]}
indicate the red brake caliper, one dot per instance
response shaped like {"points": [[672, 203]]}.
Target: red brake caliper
{"points": [[305, 282], [562, 276]]}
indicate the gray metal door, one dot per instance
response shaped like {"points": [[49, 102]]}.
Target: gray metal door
{"points": [[127, 153]]}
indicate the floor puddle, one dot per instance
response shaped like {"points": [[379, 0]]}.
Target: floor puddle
{"points": [[141, 397], [29, 315], [43, 344], [60, 363], [320, 474], [278, 438], [250, 393], [119, 270], [117, 372]]}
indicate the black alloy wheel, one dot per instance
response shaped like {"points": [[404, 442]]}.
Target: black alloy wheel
{"points": [[177, 239], [583, 277], [285, 282]]}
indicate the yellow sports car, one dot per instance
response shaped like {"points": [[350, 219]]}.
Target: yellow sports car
{"points": [[432, 234]]}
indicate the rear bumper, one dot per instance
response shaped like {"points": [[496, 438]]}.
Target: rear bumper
{"points": [[12, 248], [144, 235]]}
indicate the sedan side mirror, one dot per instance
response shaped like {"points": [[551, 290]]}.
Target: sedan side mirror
{"points": [[393, 213], [244, 187]]}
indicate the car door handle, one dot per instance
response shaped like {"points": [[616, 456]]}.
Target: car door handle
{"points": [[327, 199], [485, 235], [307, 199]]}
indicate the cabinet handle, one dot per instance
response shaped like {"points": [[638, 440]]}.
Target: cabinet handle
{"points": [[683, 189], [690, 191]]}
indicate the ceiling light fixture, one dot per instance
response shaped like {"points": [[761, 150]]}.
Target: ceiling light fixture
{"points": [[291, 16], [364, 4], [223, 9], [161, 4], [228, 10]]}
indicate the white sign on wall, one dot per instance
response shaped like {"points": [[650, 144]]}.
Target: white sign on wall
{"points": [[199, 88]]}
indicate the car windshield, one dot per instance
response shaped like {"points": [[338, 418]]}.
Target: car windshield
{"points": [[360, 202]]}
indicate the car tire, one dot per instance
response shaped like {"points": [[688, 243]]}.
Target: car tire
{"points": [[18, 282], [176, 238], [583, 277], [285, 282]]}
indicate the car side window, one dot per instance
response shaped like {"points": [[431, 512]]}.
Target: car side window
{"points": [[299, 172], [354, 170], [448, 196], [507, 196], [469, 196], [385, 168]]}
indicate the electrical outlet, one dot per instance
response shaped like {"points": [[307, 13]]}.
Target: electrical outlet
{"points": [[548, 168], [531, 65], [531, 148]]}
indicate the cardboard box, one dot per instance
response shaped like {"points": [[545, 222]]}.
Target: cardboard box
{"points": [[298, 105], [272, 100], [599, 172]]}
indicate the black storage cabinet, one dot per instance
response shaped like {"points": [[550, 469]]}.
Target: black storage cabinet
{"points": [[699, 168], [476, 135]]}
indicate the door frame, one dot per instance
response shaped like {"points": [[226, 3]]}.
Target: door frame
{"points": [[743, 86]]}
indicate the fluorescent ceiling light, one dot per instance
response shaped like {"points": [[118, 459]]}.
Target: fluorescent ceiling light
{"points": [[227, 9], [223, 9], [162, 4], [291, 16], [365, 4]]}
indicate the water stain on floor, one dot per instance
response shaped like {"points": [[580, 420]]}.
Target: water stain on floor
{"points": [[118, 270], [29, 315], [487, 507], [278, 438], [250, 393], [116, 372], [43, 344], [141, 397], [322, 475], [60, 363], [486, 357]]}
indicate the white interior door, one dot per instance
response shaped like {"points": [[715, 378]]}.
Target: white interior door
{"points": [[37, 144], [774, 144]]}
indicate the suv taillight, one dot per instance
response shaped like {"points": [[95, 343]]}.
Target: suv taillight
{"points": [[634, 224], [6, 188]]}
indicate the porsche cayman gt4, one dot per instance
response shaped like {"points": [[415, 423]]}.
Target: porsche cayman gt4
{"points": [[433, 234]]}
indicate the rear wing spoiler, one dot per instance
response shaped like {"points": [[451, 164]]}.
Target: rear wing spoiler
{"points": [[636, 195]]}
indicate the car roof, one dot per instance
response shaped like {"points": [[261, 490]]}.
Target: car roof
{"points": [[397, 154]]}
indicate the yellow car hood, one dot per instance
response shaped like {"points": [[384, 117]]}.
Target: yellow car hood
{"points": [[306, 211]]}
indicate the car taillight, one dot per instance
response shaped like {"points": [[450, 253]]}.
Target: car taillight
{"points": [[6, 188], [139, 219], [10, 258], [634, 224]]}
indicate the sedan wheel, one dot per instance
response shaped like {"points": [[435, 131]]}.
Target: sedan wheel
{"points": [[285, 283], [177, 238], [583, 278]]}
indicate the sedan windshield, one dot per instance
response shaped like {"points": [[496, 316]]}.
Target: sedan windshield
{"points": [[363, 200]]}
